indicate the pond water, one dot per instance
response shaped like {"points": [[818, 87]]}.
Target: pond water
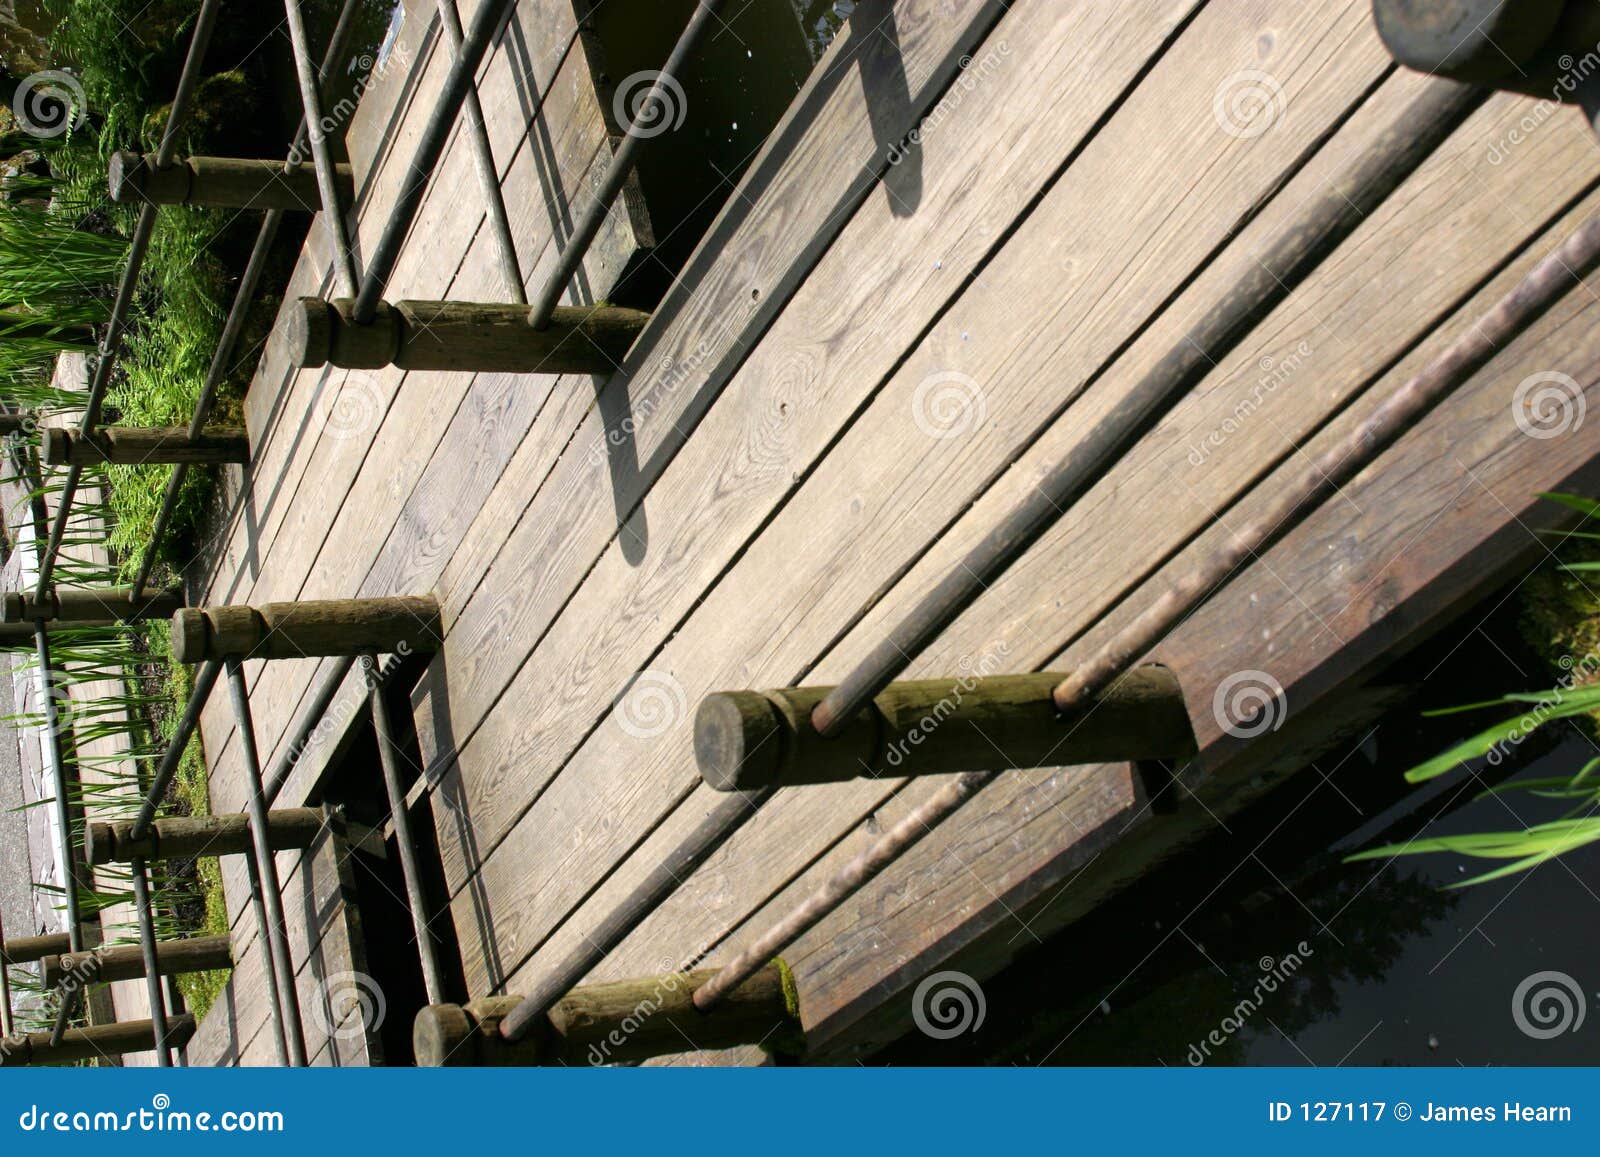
{"points": [[1262, 947]]}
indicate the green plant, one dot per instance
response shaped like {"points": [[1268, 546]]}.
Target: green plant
{"points": [[1574, 697]]}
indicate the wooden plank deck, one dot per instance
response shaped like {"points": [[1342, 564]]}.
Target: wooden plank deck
{"points": [[763, 486]]}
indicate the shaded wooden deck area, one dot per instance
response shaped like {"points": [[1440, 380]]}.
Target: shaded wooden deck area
{"points": [[863, 367]]}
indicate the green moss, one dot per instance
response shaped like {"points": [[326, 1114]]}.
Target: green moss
{"points": [[1560, 616], [790, 1040]]}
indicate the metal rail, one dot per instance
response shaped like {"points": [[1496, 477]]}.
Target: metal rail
{"points": [[483, 160], [238, 313], [344, 262], [275, 930], [416, 895], [463, 68], [588, 227], [138, 247], [152, 969], [1328, 218], [1549, 280]]}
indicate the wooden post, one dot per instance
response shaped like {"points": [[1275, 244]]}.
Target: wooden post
{"points": [[140, 445], [16, 423], [603, 1024], [189, 837], [27, 949], [126, 961], [86, 1044], [401, 625], [89, 606], [460, 335], [225, 182], [745, 740]]}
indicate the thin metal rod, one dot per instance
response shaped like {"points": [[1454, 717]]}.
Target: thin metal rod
{"points": [[483, 157], [388, 758], [435, 134], [894, 843], [204, 681], [7, 1026], [1339, 207], [333, 214], [138, 247], [729, 814], [238, 313], [656, 103], [258, 910], [275, 929], [1550, 279], [152, 968], [55, 750], [309, 722]]}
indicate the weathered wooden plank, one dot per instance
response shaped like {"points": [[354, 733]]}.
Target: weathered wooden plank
{"points": [[1077, 818], [304, 511], [1176, 216]]}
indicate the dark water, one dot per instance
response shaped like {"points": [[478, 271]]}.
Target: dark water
{"points": [[738, 83], [1396, 968]]}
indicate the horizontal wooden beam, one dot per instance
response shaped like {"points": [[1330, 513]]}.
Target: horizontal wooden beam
{"points": [[141, 445], [86, 1044], [126, 961], [465, 336], [27, 949], [400, 625], [190, 837], [88, 606], [744, 740], [224, 182], [616, 1023]]}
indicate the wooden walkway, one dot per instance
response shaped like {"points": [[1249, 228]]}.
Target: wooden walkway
{"points": [[862, 368]]}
